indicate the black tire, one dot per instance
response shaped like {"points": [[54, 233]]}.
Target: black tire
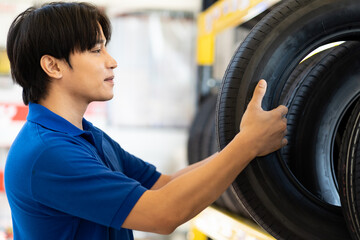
{"points": [[205, 113], [202, 143], [297, 76], [292, 85], [202, 139], [268, 189], [313, 130], [208, 142], [233, 205], [349, 173], [228, 200]]}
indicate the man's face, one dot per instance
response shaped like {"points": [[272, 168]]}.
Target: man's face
{"points": [[91, 77]]}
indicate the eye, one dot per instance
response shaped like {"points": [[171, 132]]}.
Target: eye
{"points": [[96, 51]]}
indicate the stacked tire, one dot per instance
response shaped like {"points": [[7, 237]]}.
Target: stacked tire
{"points": [[349, 173], [309, 189], [202, 143]]}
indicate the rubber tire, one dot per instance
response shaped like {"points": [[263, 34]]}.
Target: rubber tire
{"points": [[207, 143], [272, 197], [204, 115], [228, 201], [312, 130], [349, 173], [202, 143], [287, 98]]}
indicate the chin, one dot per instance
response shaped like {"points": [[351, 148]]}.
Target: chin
{"points": [[103, 98], [109, 97]]}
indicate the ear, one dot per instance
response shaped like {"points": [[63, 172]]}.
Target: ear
{"points": [[51, 66]]}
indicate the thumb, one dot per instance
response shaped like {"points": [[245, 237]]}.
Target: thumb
{"points": [[259, 92]]}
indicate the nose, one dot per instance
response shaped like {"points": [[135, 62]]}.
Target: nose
{"points": [[111, 62]]}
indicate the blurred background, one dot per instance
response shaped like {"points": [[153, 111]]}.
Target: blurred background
{"points": [[154, 43]]}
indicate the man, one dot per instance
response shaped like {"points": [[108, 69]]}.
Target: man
{"points": [[65, 178]]}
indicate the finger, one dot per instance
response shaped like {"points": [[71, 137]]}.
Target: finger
{"points": [[259, 92], [284, 142], [282, 110]]}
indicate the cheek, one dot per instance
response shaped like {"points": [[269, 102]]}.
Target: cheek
{"points": [[88, 74], [94, 71]]}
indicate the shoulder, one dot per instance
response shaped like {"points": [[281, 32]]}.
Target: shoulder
{"points": [[41, 143], [32, 133], [108, 142], [107, 137]]}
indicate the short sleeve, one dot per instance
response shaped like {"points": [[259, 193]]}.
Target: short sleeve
{"points": [[132, 166], [74, 181], [140, 170]]}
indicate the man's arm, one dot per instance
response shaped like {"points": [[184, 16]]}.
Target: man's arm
{"points": [[177, 199], [165, 179]]}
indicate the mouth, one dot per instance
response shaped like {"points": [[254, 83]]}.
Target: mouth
{"points": [[109, 79]]}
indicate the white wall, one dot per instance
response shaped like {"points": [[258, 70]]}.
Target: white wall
{"points": [[8, 12]]}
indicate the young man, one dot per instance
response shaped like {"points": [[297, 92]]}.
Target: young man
{"points": [[65, 178]]}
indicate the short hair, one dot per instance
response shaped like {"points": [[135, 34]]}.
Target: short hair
{"points": [[57, 29]]}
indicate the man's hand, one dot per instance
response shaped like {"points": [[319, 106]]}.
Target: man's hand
{"points": [[266, 129]]}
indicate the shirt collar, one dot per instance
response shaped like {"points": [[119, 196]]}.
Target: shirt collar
{"points": [[48, 119]]}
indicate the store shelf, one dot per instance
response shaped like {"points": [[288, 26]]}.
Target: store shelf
{"points": [[219, 225]]}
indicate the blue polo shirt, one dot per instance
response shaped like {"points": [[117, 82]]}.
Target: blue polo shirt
{"points": [[66, 183]]}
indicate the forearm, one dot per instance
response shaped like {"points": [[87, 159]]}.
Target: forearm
{"points": [[192, 166], [205, 183], [165, 179], [191, 191]]}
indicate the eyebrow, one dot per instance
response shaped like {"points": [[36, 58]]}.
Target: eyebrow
{"points": [[101, 41]]}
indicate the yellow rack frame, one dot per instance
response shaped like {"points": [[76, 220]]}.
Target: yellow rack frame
{"points": [[219, 225], [220, 16]]}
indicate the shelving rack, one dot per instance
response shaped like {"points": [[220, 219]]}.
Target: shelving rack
{"points": [[216, 224], [222, 15]]}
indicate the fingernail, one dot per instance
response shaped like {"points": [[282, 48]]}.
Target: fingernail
{"points": [[262, 83]]}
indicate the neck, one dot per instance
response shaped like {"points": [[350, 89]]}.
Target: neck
{"points": [[66, 108]]}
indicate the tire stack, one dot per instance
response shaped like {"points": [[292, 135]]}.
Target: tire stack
{"points": [[309, 189], [202, 143]]}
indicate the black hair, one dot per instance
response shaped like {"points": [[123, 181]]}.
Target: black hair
{"points": [[57, 29]]}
